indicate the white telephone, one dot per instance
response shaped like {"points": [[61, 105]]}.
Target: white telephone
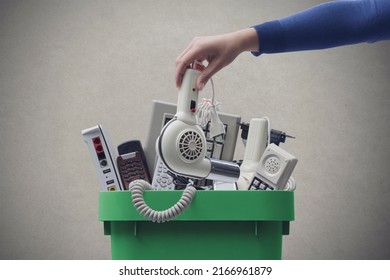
{"points": [[274, 170], [255, 146]]}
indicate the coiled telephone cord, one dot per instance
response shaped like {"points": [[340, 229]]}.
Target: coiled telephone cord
{"points": [[137, 189]]}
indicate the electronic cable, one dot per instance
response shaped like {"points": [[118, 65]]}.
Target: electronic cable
{"points": [[291, 185], [207, 112], [203, 114], [137, 189]]}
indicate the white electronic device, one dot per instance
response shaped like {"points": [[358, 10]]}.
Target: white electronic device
{"points": [[162, 180], [103, 157], [223, 186], [222, 148], [274, 170], [181, 144], [157, 121], [255, 146]]}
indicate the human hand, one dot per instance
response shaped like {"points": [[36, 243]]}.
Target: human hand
{"points": [[219, 51]]}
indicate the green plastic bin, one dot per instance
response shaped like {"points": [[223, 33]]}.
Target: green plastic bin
{"points": [[223, 225]]}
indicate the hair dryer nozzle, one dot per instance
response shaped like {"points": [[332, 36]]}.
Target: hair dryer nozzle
{"points": [[224, 171]]}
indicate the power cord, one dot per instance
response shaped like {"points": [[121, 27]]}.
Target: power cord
{"points": [[180, 182], [207, 112], [275, 136]]}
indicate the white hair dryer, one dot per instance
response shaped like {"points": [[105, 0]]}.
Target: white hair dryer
{"points": [[182, 143]]}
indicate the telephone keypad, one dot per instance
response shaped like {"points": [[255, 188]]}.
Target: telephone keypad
{"points": [[131, 168]]}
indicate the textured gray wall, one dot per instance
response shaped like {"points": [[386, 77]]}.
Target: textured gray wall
{"points": [[68, 65]]}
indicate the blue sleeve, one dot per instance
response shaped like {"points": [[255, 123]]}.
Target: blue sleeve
{"points": [[327, 25]]}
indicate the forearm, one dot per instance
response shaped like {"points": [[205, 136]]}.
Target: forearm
{"points": [[327, 25]]}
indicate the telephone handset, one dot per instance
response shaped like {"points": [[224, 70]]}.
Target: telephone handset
{"points": [[131, 163], [274, 170]]}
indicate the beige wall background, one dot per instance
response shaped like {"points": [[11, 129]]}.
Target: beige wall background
{"points": [[69, 65]]}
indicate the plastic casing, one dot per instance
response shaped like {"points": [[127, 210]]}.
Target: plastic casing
{"points": [[167, 144], [255, 146]]}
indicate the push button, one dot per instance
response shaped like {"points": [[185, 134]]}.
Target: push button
{"points": [[193, 106]]}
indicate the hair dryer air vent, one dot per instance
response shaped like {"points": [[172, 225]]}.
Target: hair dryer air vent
{"points": [[190, 145]]}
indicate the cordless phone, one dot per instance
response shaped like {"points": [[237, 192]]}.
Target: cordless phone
{"points": [[132, 163]]}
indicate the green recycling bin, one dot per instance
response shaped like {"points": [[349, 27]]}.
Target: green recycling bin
{"points": [[222, 225]]}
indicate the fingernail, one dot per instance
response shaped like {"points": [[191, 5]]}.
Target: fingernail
{"points": [[201, 86]]}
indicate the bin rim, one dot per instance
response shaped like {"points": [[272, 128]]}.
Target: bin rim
{"points": [[206, 205]]}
